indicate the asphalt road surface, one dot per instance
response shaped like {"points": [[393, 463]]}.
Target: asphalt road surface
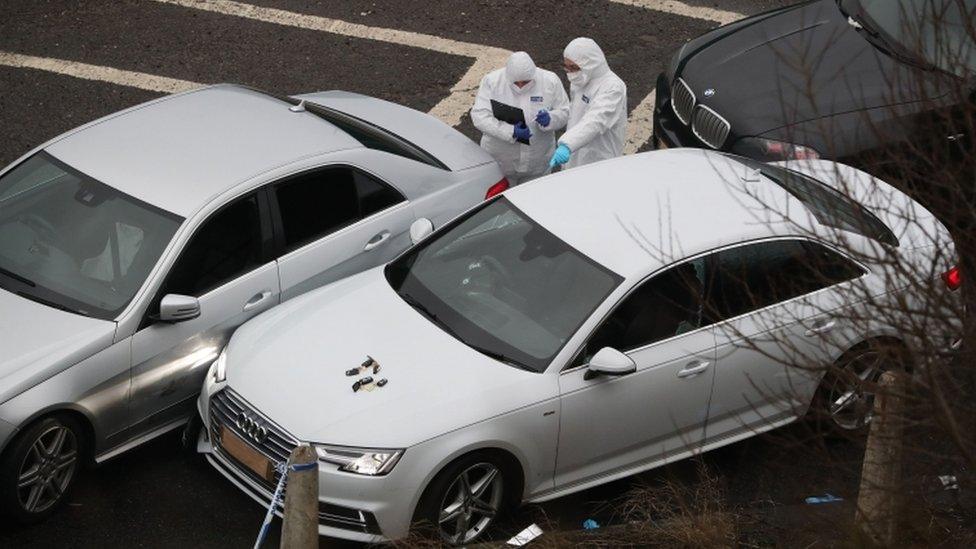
{"points": [[67, 62]]}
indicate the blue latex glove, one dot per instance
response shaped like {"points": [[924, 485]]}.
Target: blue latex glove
{"points": [[542, 118], [561, 156], [522, 132]]}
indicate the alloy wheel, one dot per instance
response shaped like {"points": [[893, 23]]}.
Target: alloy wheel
{"points": [[471, 503], [47, 469], [849, 398]]}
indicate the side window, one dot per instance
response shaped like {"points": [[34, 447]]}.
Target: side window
{"points": [[665, 306], [751, 277], [375, 196], [225, 247], [317, 203]]}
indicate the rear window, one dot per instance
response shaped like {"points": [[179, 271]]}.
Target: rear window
{"points": [[828, 206]]}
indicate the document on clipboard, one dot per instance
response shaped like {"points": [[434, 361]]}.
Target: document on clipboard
{"points": [[509, 114]]}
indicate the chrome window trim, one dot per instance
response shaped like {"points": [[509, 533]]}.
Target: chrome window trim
{"points": [[865, 272]]}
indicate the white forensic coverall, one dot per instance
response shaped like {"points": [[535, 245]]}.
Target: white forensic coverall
{"points": [[598, 106], [519, 162]]}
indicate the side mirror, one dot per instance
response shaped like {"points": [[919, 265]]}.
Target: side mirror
{"points": [[420, 229], [611, 362], [177, 308]]}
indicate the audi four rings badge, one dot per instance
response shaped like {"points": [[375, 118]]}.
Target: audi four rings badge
{"points": [[252, 428]]}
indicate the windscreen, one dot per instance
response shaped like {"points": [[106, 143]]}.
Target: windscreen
{"points": [[503, 284], [71, 242]]}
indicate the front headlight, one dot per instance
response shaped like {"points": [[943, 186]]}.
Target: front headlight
{"points": [[360, 461], [770, 150], [220, 368]]}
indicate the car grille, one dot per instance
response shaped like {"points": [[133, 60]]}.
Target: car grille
{"points": [[225, 407], [711, 128], [682, 100]]}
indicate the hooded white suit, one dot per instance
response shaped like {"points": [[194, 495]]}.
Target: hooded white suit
{"points": [[520, 162], [598, 107]]}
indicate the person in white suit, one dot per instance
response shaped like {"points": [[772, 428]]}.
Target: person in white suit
{"points": [[597, 125], [545, 107]]}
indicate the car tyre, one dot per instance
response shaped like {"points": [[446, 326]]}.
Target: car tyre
{"points": [[39, 468], [466, 498], [844, 402]]}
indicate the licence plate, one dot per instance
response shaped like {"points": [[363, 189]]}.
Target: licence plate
{"points": [[242, 452]]}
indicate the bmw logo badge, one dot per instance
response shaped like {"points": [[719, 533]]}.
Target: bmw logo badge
{"points": [[709, 92]]}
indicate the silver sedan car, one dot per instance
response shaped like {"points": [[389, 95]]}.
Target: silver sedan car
{"points": [[132, 247], [589, 325]]}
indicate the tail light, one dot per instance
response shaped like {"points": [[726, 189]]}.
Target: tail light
{"points": [[497, 188], [953, 278]]}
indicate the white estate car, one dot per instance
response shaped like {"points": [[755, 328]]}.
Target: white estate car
{"points": [[572, 331], [132, 247]]}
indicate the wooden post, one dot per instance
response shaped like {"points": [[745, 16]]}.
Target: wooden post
{"points": [[878, 500], [300, 529]]}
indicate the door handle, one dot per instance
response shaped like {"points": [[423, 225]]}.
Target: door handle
{"points": [[693, 369], [820, 327], [376, 240], [256, 300]]}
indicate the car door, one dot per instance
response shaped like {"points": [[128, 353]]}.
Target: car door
{"points": [[334, 222], [227, 264], [610, 424], [776, 301]]}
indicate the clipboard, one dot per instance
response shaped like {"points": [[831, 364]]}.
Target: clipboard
{"points": [[509, 114]]}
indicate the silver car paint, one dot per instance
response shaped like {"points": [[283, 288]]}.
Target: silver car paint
{"points": [[162, 366], [454, 403]]}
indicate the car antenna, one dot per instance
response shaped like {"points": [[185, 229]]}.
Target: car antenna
{"points": [[300, 107]]}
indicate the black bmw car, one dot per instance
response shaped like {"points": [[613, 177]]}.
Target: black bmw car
{"points": [[850, 80]]}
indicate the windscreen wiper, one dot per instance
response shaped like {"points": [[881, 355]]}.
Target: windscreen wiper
{"points": [[420, 307], [502, 358], [50, 303], [17, 277]]}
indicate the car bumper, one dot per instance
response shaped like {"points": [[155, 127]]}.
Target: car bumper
{"points": [[354, 507]]}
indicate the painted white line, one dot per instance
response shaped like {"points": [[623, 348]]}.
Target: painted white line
{"points": [[723, 17], [449, 110], [640, 124], [99, 73]]}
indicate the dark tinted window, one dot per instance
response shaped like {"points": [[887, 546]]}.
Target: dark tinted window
{"points": [[665, 306], [375, 196], [374, 137], [317, 203], [829, 207], [751, 277], [225, 247]]}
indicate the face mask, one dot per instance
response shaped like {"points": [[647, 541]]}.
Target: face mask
{"points": [[577, 78], [523, 89]]}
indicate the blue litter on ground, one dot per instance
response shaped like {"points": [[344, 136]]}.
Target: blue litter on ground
{"points": [[590, 524], [826, 498]]}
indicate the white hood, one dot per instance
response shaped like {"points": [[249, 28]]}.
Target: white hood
{"points": [[588, 55], [290, 364], [38, 341]]}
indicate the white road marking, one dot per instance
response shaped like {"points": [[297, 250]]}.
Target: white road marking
{"points": [[722, 17], [111, 75], [640, 124], [449, 110]]}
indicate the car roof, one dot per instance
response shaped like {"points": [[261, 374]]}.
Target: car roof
{"points": [[636, 213], [179, 152]]}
